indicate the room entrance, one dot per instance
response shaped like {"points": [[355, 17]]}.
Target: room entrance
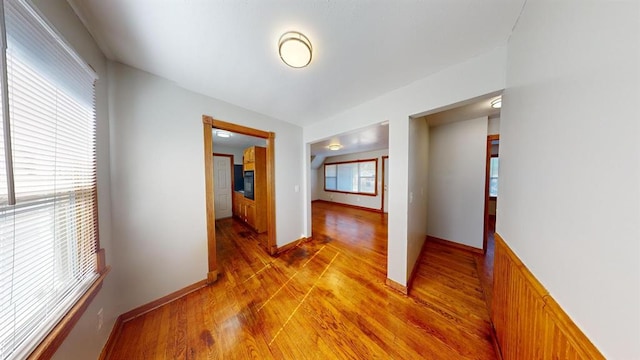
{"points": [[267, 207]]}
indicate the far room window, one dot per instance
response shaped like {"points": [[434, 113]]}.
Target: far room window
{"points": [[354, 177], [493, 176]]}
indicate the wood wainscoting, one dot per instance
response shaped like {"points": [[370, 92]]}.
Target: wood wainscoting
{"points": [[529, 323]]}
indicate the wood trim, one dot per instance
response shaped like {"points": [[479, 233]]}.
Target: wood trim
{"points": [[272, 246], [454, 244], [382, 181], [416, 265], [397, 286], [351, 161], [209, 123], [112, 340], [349, 205], [223, 125], [352, 193], [209, 198], [47, 348], [143, 309], [292, 245], [101, 261], [375, 186], [212, 276], [529, 323]]}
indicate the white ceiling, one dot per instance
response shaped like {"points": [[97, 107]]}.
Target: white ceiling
{"points": [[465, 111], [237, 141], [227, 49], [375, 137]]}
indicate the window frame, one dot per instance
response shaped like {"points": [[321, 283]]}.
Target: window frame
{"points": [[492, 197], [49, 343], [375, 184]]}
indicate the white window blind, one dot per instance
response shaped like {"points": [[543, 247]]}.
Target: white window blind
{"points": [[357, 177], [48, 239]]}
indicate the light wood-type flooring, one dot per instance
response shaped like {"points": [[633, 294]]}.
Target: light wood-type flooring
{"points": [[325, 299]]}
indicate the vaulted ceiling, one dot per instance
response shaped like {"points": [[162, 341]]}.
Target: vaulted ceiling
{"points": [[227, 49]]}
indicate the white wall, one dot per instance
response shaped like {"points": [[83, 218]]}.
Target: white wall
{"points": [[236, 152], [494, 126], [158, 194], [314, 183], [457, 160], [570, 137], [84, 341], [370, 202], [475, 77], [418, 176]]}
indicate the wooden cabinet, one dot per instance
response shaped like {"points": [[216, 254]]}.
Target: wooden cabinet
{"points": [[254, 212], [238, 201], [249, 155], [250, 214]]}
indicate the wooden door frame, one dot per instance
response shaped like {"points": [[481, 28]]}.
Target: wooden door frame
{"points": [[490, 139], [232, 175], [383, 173], [208, 124]]}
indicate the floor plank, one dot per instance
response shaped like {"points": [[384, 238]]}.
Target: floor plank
{"points": [[324, 299]]}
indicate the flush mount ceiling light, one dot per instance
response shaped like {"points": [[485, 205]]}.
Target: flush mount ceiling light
{"points": [[295, 49], [222, 133], [496, 103], [334, 147]]}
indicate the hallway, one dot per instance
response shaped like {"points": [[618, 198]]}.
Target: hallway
{"points": [[324, 299]]}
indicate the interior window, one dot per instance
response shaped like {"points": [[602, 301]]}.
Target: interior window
{"points": [[356, 177]]}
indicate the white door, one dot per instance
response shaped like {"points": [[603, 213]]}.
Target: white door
{"points": [[385, 191], [222, 186]]}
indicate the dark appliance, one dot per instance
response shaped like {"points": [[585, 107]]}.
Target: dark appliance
{"points": [[248, 185], [238, 178]]}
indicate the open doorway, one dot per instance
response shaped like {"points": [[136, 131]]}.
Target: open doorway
{"points": [[260, 200], [491, 191]]}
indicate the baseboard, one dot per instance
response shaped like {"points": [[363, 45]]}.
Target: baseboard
{"points": [[529, 323], [291, 245], [350, 206], [141, 310], [112, 340], [416, 266], [397, 286], [455, 245]]}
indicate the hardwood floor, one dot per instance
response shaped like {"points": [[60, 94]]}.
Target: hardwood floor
{"points": [[325, 299]]}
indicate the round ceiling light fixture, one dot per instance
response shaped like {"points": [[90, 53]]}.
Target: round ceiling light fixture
{"points": [[295, 49], [496, 103], [335, 147], [222, 133]]}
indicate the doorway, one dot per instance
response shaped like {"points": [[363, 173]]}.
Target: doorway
{"points": [[491, 191], [209, 124], [223, 185]]}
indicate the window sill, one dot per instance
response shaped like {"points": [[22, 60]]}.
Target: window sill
{"points": [[56, 337], [352, 192]]}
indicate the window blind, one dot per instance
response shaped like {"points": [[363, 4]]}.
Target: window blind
{"points": [[356, 177], [48, 238]]}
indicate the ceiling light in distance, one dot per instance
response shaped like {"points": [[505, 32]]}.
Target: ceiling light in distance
{"points": [[295, 49], [496, 103], [335, 147], [222, 133]]}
